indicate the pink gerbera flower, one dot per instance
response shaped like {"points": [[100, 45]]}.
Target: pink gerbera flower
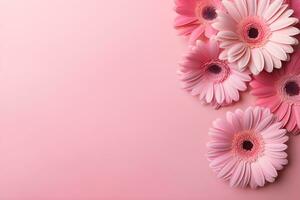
{"points": [[195, 17], [280, 91], [248, 147], [256, 34], [212, 80]]}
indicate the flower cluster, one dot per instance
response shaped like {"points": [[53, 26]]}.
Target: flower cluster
{"points": [[233, 42]]}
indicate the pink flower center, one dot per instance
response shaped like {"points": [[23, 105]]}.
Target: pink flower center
{"points": [[205, 11], [253, 31], [292, 88], [217, 71], [209, 13], [289, 89], [247, 145]]}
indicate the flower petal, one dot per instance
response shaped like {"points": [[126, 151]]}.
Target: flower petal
{"points": [[272, 9], [257, 174]]}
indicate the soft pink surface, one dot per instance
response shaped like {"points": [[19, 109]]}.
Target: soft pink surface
{"points": [[90, 107]]}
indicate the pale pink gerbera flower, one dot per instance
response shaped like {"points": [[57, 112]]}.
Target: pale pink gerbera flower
{"points": [[212, 80], [195, 17], [256, 34], [280, 91], [247, 148]]}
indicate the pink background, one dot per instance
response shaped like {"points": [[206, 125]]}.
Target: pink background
{"points": [[91, 108]]}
